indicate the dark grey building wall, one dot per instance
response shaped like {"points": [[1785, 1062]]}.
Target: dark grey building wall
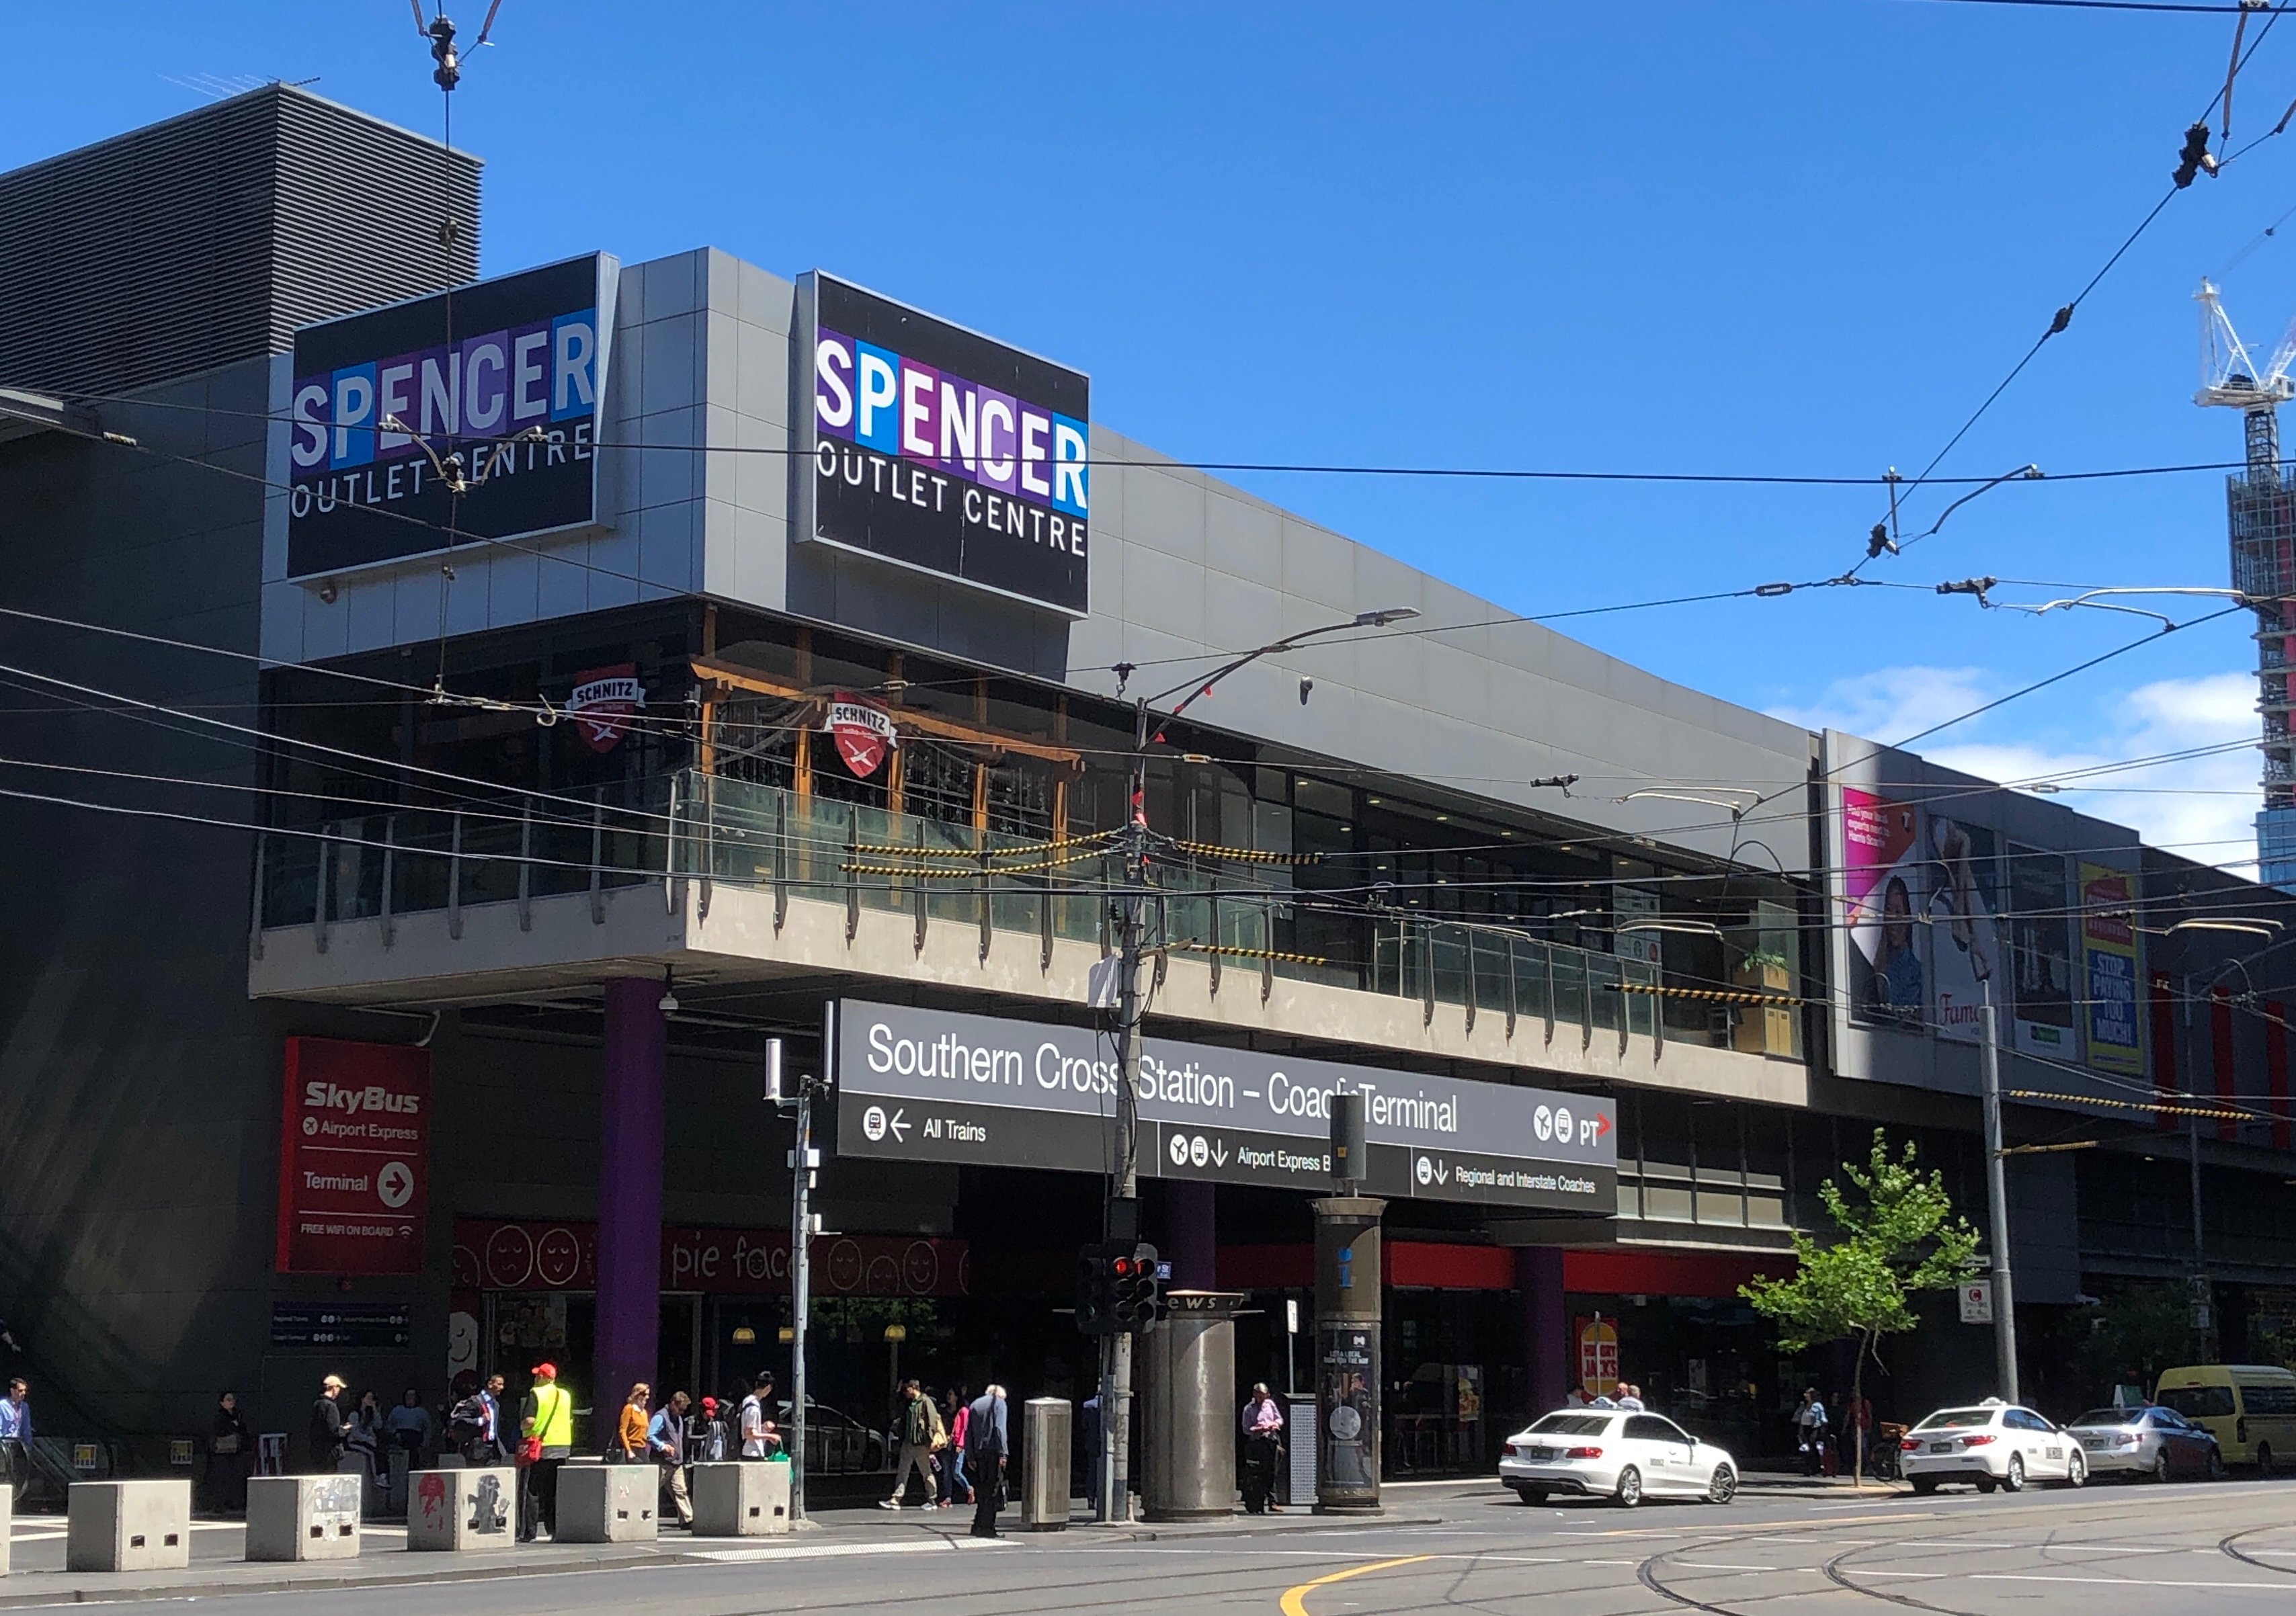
{"points": [[208, 239]]}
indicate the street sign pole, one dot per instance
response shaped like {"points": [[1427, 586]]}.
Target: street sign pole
{"points": [[1997, 1193], [1122, 1221]]}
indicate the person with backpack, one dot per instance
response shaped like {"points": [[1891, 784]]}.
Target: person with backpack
{"points": [[919, 1420]]}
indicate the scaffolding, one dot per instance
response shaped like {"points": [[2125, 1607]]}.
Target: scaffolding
{"points": [[2261, 508]]}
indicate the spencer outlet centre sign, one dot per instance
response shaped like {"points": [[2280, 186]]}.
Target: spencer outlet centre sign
{"points": [[354, 1158], [932, 447], [495, 391], [940, 1086]]}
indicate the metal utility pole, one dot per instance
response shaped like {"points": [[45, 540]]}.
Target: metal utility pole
{"points": [[803, 1162], [1996, 1194]]}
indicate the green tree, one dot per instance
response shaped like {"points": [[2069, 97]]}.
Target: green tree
{"points": [[1895, 1233]]}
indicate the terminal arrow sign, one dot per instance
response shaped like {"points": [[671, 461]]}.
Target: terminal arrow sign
{"points": [[900, 1127]]}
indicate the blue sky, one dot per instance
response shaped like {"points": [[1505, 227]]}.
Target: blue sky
{"points": [[1767, 236]]}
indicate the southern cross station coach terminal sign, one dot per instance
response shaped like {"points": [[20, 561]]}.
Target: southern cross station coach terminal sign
{"points": [[938, 1086], [932, 447], [507, 375]]}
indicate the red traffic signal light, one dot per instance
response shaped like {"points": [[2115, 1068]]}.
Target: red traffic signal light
{"points": [[1125, 1267]]}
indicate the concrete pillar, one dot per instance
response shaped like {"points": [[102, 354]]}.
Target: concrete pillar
{"points": [[1194, 1256], [1545, 1325], [629, 1189]]}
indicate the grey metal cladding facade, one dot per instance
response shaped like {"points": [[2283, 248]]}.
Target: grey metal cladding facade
{"points": [[208, 239]]}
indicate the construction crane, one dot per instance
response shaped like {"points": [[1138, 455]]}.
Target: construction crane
{"points": [[2261, 511]]}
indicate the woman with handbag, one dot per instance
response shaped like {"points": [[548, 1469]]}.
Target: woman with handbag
{"points": [[629, 1444], [229, 1442]]}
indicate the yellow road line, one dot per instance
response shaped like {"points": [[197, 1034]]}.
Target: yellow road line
{"points": [[1294, 1602]]}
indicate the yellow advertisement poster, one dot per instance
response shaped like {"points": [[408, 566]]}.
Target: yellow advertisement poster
{"points": [[2108, 923]]}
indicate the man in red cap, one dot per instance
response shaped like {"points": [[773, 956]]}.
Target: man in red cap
{"points": [[546, 1422]]}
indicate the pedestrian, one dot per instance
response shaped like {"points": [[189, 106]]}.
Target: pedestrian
{"points": [[1575, 1398], [229, 1442], [1263, 1437], [959, 1413], [363, 1440], [706, 1442], [629, 1444], [1630, 1396], [330, 1431], [986, 1450], [1091, 1452], [665, 1440], [547, 1429], [1809, 1432], [406, 1431], [16, 1434], [759, 1440], [918, 1419]]}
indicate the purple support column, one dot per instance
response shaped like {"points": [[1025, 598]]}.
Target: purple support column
{"points": [[1194, 1255], [629, 1188], [1546, 1329]]}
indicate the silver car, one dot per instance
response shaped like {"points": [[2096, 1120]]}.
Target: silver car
{"points": [[2153, 1441]]}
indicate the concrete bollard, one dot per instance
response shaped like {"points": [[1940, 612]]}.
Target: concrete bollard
{"points": [[7, 1524], [462, 1511], [606, 1503], [745, 1500], [302, 1517], [127, 1526]]}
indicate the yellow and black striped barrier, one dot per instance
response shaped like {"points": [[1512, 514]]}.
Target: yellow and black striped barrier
{"points": [[1712, 995], [1225, 951]]}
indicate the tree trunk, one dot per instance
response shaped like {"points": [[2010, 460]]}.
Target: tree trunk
{"points": [[1857, 1405]]}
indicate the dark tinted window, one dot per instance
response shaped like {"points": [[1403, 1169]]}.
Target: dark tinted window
{"points": [[2199, 1402], [2105, 1417], [1956, 1419], [1649, 1428], [2268, 1399]]}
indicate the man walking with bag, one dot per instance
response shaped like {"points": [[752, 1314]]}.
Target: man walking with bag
{"points": [[987, 1444], [920, 1422], [665, 1440], [547, 1427]]}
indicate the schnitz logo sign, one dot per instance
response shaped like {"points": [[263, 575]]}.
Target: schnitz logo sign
{"points": [[602, 702], [863, 731]]}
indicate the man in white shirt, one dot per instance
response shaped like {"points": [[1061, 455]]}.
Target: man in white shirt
{"points": [[1630, 1396], [758, 1439]]}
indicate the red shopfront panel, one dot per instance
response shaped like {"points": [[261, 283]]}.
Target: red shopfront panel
{"points": [[2276, 1068], [2164, 1046], [1624, 1273]]}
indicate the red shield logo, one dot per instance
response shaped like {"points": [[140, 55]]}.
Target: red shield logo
{"points": [[863, 731], [602, 702]]}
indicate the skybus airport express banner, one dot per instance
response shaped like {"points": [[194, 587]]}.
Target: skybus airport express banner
{"points": [[936, 449], [354, 1158], [508, 374], [940, 1086]]}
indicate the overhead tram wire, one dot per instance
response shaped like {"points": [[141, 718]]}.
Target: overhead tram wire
{"points": [[1885, 536]]}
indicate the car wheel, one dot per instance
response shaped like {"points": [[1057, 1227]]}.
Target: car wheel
{"points": [[2077, 1472], [2161, 1465], [2264, 1458], [1926, 1485], [2013, 1480], [1722, 1486], [1630, 1488], [1985, 1483], [1531, 1494], [2216, 1463]]}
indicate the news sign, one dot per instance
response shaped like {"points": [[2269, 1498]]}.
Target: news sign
{"points": [[354, 1157], [495, 391], [932, 447]]}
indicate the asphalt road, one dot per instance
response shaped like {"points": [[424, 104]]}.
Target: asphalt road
{"points": [[2107, 1551]]}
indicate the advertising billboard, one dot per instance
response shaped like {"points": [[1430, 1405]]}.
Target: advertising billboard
{"points": [[1964, 882], [354, 1157], [496, 391], [2109, 972], [1884, 890], [934, 448], [929, 1085], [2041, 954]]}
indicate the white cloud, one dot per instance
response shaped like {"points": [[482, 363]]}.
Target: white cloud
{"points": [[2202, 807]]}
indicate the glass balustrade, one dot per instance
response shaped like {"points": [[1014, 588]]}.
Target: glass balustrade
{"points": [[706, 828]]}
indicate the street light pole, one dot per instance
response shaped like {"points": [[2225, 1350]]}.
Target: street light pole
{"points": [[1122, 1218], [1996, 1194]]}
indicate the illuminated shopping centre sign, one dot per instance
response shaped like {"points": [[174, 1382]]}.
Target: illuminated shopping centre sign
{"points": [[933, 448], [940, 1086]]}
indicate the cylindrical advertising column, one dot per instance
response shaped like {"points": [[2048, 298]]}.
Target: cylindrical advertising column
{"points": [[1348, 1314]]}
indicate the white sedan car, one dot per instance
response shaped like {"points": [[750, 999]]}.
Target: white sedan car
{"points": [[1617, 1454], [1993, 1444]]}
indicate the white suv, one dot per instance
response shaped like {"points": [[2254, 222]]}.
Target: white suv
{"points": [[1993, 1444], [1615, 1454]]}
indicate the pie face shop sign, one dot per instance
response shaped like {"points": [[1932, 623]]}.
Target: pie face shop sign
{"points": [[933, 448]]}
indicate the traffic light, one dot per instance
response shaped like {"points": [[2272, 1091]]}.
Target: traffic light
{"points": [[1120, 1289]]}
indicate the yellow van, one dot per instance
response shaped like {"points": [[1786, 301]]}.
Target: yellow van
{"points": [[2250, 1409]]}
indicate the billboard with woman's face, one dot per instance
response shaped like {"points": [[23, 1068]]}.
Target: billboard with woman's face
{"points": [[1885, 889], [1965, 944]]}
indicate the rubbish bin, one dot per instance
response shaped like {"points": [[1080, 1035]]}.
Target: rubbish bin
{"points": [[302, 1517], [1045, 1466], [1190, 1428]]}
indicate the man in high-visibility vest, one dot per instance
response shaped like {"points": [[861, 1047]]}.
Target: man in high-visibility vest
{"points": [[547, 1421]]}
